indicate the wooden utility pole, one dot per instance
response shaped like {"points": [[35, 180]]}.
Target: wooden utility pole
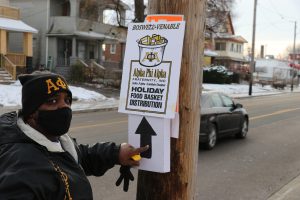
{"points": [[139, 10], [180, 183]]}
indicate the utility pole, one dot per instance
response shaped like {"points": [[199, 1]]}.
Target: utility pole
{"points": [[180, 182], [294, 56], [253, 48]]}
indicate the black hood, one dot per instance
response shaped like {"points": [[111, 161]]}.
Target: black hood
{"points": [[9, 130]]}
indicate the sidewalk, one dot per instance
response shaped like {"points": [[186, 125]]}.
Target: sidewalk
{"points": [[291, 191]]}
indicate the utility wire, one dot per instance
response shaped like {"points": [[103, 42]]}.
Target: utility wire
{"points": [[274, 24], [277, 12]]}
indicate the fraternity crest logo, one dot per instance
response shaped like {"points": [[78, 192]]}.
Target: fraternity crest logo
{"points": [[149, 76]]}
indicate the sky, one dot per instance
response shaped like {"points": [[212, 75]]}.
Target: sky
{"points": [[275, 24], [275, 21]]}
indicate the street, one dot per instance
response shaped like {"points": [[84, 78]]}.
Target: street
{"points": [[235, 169]]}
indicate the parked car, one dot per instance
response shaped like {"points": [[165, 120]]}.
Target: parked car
{"points": [[221, 116]]}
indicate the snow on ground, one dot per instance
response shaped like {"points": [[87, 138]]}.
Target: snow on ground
{"points": [[10, 95], [237, 90]]}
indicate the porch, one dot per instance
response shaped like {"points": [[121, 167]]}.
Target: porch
{"points": [[15, 42]]}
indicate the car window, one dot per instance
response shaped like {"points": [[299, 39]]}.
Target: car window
{"points": [[216, 100], [227, 101], [205, 101]]}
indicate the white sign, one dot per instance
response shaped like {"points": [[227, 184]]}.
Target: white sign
{"points": [[151, 69], [175, 126], [154, 132]]}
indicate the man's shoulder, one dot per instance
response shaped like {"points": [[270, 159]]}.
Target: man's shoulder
{"points": [[8, 118], [21, 152]]}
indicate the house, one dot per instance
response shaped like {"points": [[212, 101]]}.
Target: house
{"points": [[221, 39], [72, 31], [15, 43], [270, 71], [294, 60]]}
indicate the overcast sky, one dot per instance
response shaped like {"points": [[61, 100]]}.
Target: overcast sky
{"points": [[275, 23]]}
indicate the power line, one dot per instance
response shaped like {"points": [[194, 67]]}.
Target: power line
{"points": [[282, 17], [275, 9], [277, 12]]}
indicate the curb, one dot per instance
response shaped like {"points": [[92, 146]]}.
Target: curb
{"points": [[274, 94], [95, 110]]}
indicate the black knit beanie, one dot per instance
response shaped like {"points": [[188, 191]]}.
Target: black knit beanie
{"points": [[38, 87]]}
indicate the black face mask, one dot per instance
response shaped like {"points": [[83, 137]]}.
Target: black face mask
{"points": [[55, 122]]}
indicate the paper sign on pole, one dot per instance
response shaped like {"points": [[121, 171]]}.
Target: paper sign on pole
{"points": [[163, 17], [149, 89], [151, 69], [142, 132]]}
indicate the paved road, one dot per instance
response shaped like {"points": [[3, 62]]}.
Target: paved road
{"points": [[259, 166], [250, 169]]}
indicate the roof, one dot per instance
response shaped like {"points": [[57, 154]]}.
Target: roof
{"points": [[235, 38], [272, 63], [88, 35], [230, 58], [210, 53], [15, 25], [95, 35], [219, 21]]}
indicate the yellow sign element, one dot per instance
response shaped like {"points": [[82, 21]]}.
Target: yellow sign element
{"points": [[151, 41], [136, 157]]}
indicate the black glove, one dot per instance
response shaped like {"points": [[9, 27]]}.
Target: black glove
{"points": [[126, 175]]}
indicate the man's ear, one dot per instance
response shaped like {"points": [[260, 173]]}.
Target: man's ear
{"points": [[32, 119]]}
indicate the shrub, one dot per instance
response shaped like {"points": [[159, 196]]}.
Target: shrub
{"points": [[217, 74], [77, 73]]}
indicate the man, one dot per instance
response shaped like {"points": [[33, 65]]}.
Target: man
{"points": [[38, 159]]}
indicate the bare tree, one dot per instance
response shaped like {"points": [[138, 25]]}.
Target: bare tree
{"points": [[289, 49], [216, 13], [89, 9]]}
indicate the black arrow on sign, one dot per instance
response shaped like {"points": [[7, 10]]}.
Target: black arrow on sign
{"points": [[146, 132]]}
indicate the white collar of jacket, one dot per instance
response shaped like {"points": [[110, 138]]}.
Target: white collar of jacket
{"points": [[65, 144]]}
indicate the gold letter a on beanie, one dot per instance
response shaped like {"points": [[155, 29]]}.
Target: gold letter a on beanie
{"points": [[55, 86]]}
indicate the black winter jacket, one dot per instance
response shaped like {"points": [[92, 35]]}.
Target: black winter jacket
{"points": [[29, 171]]}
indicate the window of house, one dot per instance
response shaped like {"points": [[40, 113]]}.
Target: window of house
{"points": [[110, 17], [240, 48], [220, 46], [60, 8], [15, 42], [113, 48], [232, 48]]}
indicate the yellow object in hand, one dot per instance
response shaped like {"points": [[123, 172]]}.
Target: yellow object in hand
{"points": [[136, 157]]}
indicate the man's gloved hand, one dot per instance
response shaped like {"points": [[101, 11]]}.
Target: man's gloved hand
{"points": [[126, 175], [126, 153]]}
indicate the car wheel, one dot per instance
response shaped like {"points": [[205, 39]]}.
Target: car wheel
{"points": [[244, 130], [212, 138]]}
